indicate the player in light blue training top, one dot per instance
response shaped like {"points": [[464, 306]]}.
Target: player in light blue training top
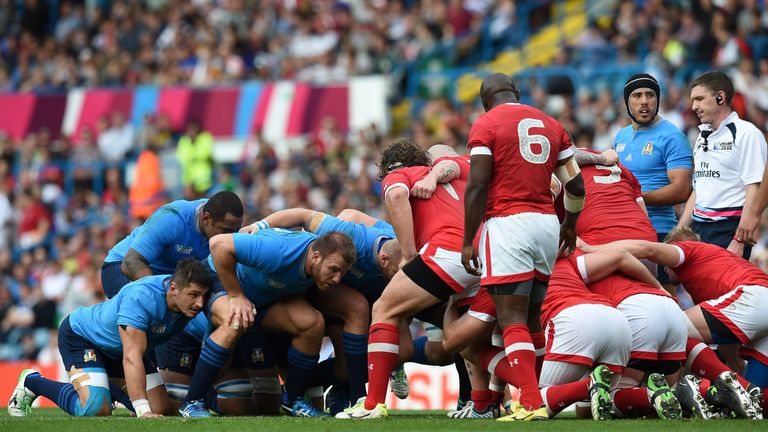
{"points": [[656, 152], [265, 275], [378, 259], [104, 346], [178, 230]]}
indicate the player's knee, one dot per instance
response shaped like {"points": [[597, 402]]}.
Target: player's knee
{"points": [[98, 403], [311, 323], [177, 392], [235, 389]]}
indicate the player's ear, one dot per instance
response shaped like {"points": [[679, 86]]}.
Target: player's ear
{"points": [[173, 288]]}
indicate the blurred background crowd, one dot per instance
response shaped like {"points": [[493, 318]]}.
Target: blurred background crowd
{"points": [[64, 202]]}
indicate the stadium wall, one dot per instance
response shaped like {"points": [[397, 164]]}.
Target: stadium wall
{"points": [[282, 109]]}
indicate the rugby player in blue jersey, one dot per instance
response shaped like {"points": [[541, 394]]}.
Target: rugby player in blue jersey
{"points": [[180, 229], [106, 344], [378, 259], [263, 278]]}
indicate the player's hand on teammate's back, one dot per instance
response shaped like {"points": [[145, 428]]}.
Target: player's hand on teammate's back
{"points": [[424, 188], [241, 313], [567, 241], [248, 229], [611, 157], [736, 247], [470, 261]]}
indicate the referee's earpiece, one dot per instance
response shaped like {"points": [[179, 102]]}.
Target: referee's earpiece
{"points": [[719, 98]]}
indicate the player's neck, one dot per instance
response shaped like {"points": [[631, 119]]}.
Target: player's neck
{"points": [[637, 126], [720, 119]]}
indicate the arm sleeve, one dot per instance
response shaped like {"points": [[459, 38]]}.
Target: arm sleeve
{"points": [[752, 155], [260, 252], [677, 152], [395, 179], [160, 231], [135, 311], [481, 136]]}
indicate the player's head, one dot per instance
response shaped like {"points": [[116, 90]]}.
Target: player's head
{"points": [[681, 234], [711, 96], [497, 89], [441, 150], [641, 96], [329, 258], [400, 154], [189, 287], [389, 258], [222, 214]]}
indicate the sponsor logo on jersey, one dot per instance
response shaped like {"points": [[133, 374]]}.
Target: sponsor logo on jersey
{"points": [[628, 158], [276, 284], [158, 328], [620, 147], [89, 356], [184, 250], [648, 148]]}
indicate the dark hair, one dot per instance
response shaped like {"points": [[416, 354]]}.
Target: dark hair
{"points": [[336, 242], [189, 271], [716, 82], [222, 203], [402, 153]]}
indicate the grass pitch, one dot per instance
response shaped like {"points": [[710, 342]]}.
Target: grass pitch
{"points": [[51, 419]]}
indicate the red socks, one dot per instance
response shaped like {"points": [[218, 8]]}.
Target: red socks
{"points": [[383, 349], [559, 397], [522, 359]]}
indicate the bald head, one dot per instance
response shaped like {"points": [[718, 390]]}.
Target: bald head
{"points": [[441, 150], [498, 89]]}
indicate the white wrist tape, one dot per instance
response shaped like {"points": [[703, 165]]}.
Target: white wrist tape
{"points": [[141, 406], [261, 225]]}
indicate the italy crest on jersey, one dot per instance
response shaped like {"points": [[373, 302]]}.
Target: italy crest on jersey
{"points": [[648, 148], [89, 356]]}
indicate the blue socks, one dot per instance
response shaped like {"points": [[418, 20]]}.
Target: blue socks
{"points": [[301, 368], [419, 354], [356, 355], [212, 360]]}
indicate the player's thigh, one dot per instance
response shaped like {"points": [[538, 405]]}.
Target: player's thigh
{"points": [[466, 330], [401, 298], [293, 315], [343, 302], [561, 372]]}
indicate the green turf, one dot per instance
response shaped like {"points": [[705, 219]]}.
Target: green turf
{"points": [[45, 420]]}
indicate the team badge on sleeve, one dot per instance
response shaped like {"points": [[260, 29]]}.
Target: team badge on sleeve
{"points": [[89, 356]]}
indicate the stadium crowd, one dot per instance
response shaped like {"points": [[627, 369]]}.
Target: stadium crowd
{"points": [[59, 220]]}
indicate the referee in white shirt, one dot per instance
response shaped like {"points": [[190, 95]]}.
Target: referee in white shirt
{"points": [[729, 158]]}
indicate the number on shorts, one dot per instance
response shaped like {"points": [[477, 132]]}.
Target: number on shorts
{"points": [[613, 177], [527, 139]]}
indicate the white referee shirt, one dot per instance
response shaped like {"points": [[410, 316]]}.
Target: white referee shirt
{"points": [[725, 160]]}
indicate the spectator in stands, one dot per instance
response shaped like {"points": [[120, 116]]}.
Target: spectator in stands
{"points": [[729, 159], [195, 155], [116, 139], [35, 221]]}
